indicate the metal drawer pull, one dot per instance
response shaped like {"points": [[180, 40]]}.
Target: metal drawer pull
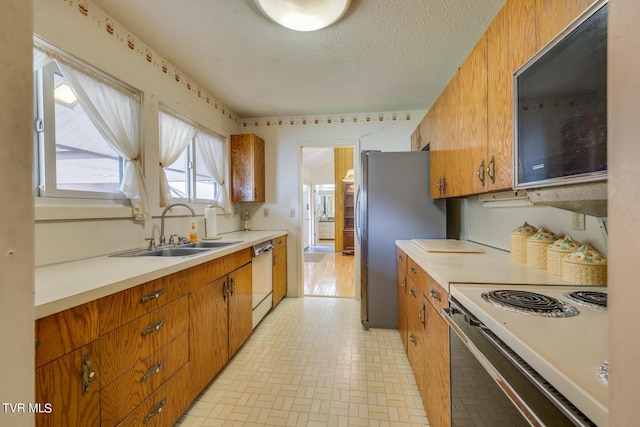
{"points": [[422, 315], [400, 258], [153, 295], [225, 291], [154, 370], [412, 292], [413, 339], [156, 326], [413, 270], [233, 287], [155, 411], [435, 294], [88, 374]]}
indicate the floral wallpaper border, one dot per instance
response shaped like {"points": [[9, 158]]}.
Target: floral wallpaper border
{"points": [[317, 119], [129, 41]]}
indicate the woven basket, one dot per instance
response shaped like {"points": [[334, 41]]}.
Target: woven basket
{"points": [[537, 248], [519, 238], [557, 251], [585, 266]]}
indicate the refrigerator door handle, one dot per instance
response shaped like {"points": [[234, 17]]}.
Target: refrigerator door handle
{"points": [[357, 217]]}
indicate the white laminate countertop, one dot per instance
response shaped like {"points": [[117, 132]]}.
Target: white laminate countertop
{"points": [[492, 266], [66, 285]]}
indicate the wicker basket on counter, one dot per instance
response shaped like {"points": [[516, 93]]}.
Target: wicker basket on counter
{"points": [[557, 251], [585, 266], [537, 248], [519, 238]]}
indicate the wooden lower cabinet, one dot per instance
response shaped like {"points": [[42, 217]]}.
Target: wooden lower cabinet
{"points": [[208, 333], [240, 307], [279, 270], [401, 261], [68, 389], [428, 340]]}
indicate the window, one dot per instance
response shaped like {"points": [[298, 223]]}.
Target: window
{"points": [[86, 132], [188, 177]]}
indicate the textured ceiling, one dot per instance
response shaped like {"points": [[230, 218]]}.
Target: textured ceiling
{"points": [[384, 55]]}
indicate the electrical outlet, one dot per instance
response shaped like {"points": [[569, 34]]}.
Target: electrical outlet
{"points": [[265, 212], [577, 221], [292, 212]]}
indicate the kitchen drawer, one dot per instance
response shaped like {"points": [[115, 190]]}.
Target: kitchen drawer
{"points": [[401, 261], [165, 406], [417, 274], [129, 344], [280, 241], [117, 309], [436, 294], [207, 272], [63, 332], [127, 392]]}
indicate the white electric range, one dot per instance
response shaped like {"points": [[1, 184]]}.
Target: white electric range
{"points": [[569, 352]]}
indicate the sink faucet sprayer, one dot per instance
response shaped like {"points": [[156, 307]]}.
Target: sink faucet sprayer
{"points": [[162, 238]]}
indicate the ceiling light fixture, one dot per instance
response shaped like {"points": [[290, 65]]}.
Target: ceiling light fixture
{"points": [[304, 15]]}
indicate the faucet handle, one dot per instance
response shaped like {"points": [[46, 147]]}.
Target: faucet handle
{"points": [[172, 241], [152, 243]]}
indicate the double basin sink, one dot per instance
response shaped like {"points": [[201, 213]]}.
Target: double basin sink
{"points": [[186, 249]]}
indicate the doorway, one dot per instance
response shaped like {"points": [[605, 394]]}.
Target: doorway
{"points": [[326, 271]]}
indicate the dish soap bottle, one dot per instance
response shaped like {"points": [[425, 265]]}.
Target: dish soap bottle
{"points": [[246, 221], [193, 234]]}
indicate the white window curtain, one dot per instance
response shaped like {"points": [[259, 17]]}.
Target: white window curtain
{"points": [[214, 156], [175, 135], [115, 112]]}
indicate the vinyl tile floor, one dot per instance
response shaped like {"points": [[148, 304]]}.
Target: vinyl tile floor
{"points": [[310, 363]]}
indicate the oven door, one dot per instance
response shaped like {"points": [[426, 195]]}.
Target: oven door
{"points": [[491, 385]]}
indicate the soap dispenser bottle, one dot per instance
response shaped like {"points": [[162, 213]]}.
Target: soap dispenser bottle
{"points": [[193, 234]]}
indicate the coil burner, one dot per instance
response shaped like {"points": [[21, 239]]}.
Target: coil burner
{"points": [[591, 299], [529, 303]]}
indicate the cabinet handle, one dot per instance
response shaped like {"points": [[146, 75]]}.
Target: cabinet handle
{"points": [[435, 294], [481, 172], [491, 169], [274, 261], [413, 270], [400, 258], [413, 339], [88, 374], [233, 287], [225, 290], [422, 315], [255, 193], [155, 411], [154, 370], [153, 295], [155, 327], [412, 292], [404, 284]]}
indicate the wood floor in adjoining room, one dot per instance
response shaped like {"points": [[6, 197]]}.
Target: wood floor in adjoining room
{"points": [[329, 274]]}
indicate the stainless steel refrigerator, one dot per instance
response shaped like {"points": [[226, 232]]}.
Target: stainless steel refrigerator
{"points": [[392, 203]]}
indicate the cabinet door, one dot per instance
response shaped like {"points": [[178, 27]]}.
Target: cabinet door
{"points": [[415, 331], [208, 333], [445, 124], [240, 307], [71, 386], [471, 142], [554, 15], [247, 168], [436, 392], [279, 274], [401, 262], [510, 43]]}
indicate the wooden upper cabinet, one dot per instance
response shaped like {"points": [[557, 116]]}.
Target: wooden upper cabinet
{"points": [[247, 168], [510, 43], [552, 16]]}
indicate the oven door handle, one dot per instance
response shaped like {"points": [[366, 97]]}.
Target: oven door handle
{"points": [[524, 409]]}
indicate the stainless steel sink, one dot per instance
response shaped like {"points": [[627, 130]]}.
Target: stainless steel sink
{"points": [[208, 245], [173, 251]]}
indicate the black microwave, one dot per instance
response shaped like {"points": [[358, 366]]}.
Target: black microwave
{"points": [[560, 107]]}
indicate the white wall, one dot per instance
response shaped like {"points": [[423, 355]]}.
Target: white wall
{"points": [[283, 146], [16, 214], [75, 231]]}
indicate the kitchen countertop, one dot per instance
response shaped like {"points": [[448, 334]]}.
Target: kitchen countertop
{"points": [[66, 285], [492, 266]]}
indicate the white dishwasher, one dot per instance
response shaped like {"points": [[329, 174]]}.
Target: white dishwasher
{"points": [[262, 280]]}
